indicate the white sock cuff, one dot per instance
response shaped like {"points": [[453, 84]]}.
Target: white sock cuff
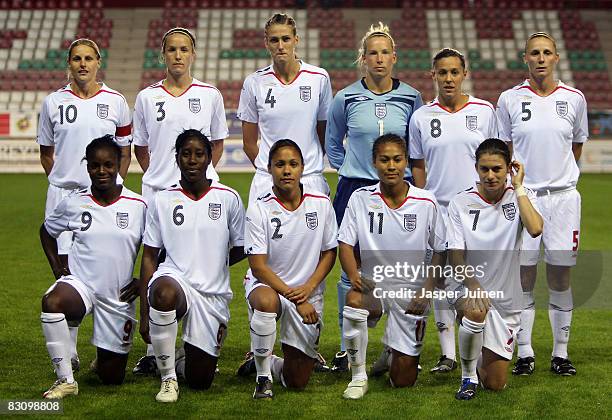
{"points": [[263, 323], [472, 326], [355, 314], [161, 318], [561, 300], [50, 318]]}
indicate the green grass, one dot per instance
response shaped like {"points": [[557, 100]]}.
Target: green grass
{"points": [[26, 371]]}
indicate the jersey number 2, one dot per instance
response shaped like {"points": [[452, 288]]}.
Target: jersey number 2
{"points": [[277, 225]]}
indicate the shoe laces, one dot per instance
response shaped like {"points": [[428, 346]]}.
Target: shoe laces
{"points": [[167, 384]]}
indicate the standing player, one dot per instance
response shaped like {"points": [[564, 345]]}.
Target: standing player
{"points": [[484, 232], [546, 123], [394, 223], [108, 221], [200, 224], [69, 118], [289, 223], [288, 99], [449, 129], [162, 112], [375, 105]]}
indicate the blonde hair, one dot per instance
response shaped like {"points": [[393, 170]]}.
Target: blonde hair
{"points": [[541, 35], [281, 19], [379, 30], [81, 41]]}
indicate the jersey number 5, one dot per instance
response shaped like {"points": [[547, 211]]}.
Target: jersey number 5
{"points": [[270, 98], [525, 111]]}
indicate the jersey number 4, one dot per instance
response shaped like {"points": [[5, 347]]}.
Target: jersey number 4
{"points": [[270, 98]]}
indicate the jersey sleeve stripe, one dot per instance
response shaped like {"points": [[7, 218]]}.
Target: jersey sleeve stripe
{"points": [[126, 130]]}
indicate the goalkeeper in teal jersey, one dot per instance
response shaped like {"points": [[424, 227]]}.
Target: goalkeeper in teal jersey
{"points": [[375, 105]]}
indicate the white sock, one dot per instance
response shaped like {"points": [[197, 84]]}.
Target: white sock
{"points": [[560, 314], [74, 335], [445, 322], [263, 337], [470, 347], [356, 339], [150, 351], [163, 328], [523, 336], [57, 337], [276, 364]]}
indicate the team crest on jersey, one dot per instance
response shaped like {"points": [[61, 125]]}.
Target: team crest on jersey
{"points": [[312, 221], [380, 110], [509, 211], [410, 221], [122, 220], [562, 108], [471, 122], [194, 105], [305, 93], [102, 111], [214, 211]]}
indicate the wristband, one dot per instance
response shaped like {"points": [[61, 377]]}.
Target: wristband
{"points": [[520, 191]]}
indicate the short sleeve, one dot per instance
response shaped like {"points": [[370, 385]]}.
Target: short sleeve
{"points": [[504, 125], [581, 125], [140, 134], [325, 99], [335, 132], [152, 234], [218, 121], [247, 106], [330, 234], [45, 126], [123, 132], [492, 131], [236, 222], [59, 219], [348, 228], [415, 146], [255, 238], [454, 232]]}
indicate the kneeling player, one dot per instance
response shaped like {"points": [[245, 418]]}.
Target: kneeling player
{"points": [[198, 222], [107, 221], [485, 228], [290, 239], [393, 222]]}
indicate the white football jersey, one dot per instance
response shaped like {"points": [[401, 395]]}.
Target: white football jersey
{"points": [[159, 117], [287, 111], [292, 240], [69, 123], [542, 130], [491, 235], [106, 239], [448, 141], [197, 234], [387, 236]]}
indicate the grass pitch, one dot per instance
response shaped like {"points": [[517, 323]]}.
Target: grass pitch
{"points": [[26, 371]]}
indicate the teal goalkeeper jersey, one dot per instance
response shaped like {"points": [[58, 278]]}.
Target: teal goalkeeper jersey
{"points": [[361, 116]]}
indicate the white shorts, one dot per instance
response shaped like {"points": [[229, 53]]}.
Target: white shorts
{"points": [[114, 321], [561, 234], [205, 322], [293, 332], [500, 333], [262, 183], [148, 193], [404, 332], [56, 194]]}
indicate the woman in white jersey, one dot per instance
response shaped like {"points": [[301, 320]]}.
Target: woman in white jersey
{"points": [[546, 122], [484, 233], [200, 224], [287, 99], [290, 238], [374, 105], [394, 224], [108, 221], [70, 117], [449, 129], [162, 111]]}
